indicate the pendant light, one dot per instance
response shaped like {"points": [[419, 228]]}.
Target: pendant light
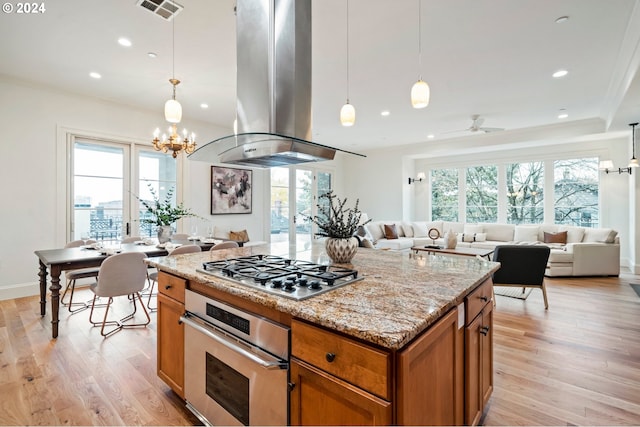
{"points": [[173, 114], [420, 91], [633, 163], [347, 112]]}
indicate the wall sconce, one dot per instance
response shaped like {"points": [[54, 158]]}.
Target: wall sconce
{"points": [[607, 165], [420, 177]]}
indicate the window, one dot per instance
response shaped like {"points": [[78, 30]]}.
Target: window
{"points": [[576, 192], [525, 191], [157, 171], [104, 186], [482, 194], [444, 194], [574, 184], [98, 180]]}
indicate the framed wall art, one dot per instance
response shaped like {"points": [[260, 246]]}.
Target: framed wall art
{"points": [[230, 190]]}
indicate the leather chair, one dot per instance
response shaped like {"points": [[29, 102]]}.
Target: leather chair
{"points": [[73, 275], [120, 275], [522, 266]]}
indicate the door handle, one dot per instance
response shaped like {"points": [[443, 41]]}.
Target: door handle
{"points": [[210, 333]]}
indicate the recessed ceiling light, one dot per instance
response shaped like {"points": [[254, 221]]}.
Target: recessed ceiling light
{"points": [[203, 105], [560, 73], [124, 42], [562, 114], [562, 19], [431, 136], [385, 113], [95, 75], [152, 54]]}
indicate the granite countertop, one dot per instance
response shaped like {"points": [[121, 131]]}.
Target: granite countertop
{"points": [[401, 295]]}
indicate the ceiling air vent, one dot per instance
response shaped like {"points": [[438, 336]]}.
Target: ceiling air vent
{"points": [[166, 9]]}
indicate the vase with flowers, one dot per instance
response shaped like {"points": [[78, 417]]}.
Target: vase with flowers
{"points": [[163, 213], [338, 224]]}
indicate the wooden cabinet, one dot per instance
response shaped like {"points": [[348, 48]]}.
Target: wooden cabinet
{"points": [[170, 331], [319, 398], [339, 381], [431, 376], [478, 352], [359, 364]]}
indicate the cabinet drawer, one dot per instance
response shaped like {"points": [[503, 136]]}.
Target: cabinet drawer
{"points": [[354, 362], [476, 300], [171, 286]]}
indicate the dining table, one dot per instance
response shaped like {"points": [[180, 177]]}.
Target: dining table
{"points": [[55, 261]]}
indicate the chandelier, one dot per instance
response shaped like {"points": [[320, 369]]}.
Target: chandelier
{"points": [[173, 114]]}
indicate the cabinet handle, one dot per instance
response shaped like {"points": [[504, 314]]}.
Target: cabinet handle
{"points": [[484, 330], [291, 386], [167, 287], [484, 298], [330, 357]]}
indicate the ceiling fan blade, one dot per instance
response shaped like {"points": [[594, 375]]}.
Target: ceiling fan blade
{"points": [[488, 130], [454, 131]]}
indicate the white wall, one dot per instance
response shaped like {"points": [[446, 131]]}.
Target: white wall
{"points": [[34, 123], [380, 180]]}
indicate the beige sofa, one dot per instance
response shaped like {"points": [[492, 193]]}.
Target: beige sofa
{"points": [[587, 251]]}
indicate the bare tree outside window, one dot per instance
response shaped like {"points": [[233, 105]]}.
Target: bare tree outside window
{"points": [[576, 192], [525, 193], [444, 194], [482, 194]]}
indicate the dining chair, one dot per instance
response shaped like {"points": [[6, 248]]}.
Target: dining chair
{"points": [[522, 266], [120, 275], [179, 236], [224, 245], [73, 275], [153, 277]]}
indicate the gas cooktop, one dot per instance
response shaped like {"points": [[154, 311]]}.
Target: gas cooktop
{"points": [[281, 276]]}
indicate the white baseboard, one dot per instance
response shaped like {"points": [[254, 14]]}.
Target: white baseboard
{"points": [[19, 290]]}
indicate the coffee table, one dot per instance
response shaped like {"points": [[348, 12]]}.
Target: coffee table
{"points": [[484, 253]]}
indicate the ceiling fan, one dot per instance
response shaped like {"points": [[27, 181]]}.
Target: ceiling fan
{"points": [[476, 125]]}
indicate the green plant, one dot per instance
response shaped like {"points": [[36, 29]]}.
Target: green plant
{"points": [[163, 212], [334, 219]]}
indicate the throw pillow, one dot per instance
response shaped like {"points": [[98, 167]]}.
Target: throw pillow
{"points": [[559, 237], [366, 243], [420, 229], [374, 230], [239, 236], [526, 233], [390, 231]]}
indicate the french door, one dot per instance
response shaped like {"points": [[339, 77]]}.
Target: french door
{"points": [[294, 196], [106, 180]]}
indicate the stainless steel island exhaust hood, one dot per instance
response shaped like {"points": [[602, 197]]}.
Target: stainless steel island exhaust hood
{"points": [[273, 89]]}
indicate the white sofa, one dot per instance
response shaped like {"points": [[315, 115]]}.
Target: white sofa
{"points": [[587, 251]]}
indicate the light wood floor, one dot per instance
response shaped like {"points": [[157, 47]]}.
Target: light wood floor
{"points": [[576, 364]]}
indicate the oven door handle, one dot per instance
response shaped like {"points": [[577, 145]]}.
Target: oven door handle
{"points": [[267, 364]]}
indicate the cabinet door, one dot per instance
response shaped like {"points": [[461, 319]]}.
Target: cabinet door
{"points": [[473, 359], [486, 348], [171, 343], [430, 376], [478, 364], [318, 398]]}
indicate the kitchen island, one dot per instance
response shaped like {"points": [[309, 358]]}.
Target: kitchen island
{"points": [[410, 343]]}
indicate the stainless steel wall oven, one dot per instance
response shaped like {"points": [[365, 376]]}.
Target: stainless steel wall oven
{"points": [[236, 364]]}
